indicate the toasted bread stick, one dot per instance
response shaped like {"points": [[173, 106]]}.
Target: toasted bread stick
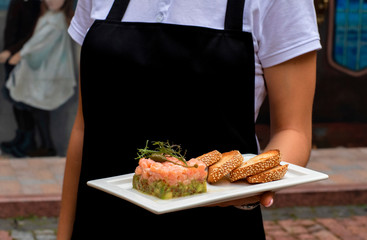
{"points": [[229, 161], [210, 158], [272, 174], [255, 165]]}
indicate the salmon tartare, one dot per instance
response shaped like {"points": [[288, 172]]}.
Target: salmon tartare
{"points": [[170, 179]]}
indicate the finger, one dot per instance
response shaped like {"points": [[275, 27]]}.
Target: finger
{"points": [[267, 199], [238, 202]]}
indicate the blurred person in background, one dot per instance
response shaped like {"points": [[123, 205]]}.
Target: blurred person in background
{"points": [[20, 22], [44, 77]]}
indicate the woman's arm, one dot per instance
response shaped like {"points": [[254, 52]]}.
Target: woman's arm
{"points": [[71, 176], [291, 87]]}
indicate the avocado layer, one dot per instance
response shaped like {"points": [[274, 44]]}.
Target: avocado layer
{"points": [[163, 190]]}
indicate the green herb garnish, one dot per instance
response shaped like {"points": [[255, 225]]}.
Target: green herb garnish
{"points": [[162, 150]]}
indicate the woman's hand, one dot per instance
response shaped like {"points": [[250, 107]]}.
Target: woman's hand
{"points": [[15, 59], [266, 199], [4, 55]]}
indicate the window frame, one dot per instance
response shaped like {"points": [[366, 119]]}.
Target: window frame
{"points": [[330, 45]]}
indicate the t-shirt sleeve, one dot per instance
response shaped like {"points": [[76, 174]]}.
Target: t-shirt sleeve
{"points": [[81, 22], [289, 29]]}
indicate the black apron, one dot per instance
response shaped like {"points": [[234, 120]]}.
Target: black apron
{"points": [[190, 85]]}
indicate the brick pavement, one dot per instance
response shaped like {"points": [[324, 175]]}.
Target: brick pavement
{"points": [[292, 223], [352, 228], [31, 228], [30, 186], [323, 222], [31, 176]]}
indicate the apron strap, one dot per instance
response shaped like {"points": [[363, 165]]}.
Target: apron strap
{"points": [[118, 10], [233, 19], [234, 15]]}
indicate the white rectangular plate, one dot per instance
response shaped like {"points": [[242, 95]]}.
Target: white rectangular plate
{"points": [[121, 186]]}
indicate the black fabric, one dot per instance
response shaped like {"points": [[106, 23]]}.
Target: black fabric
{"points": [[20, 21], [118, 10], [190, 85], [42, 119], [24, 119], [234, 15]]}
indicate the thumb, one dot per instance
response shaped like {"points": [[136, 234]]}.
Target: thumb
{"points": [[267, 199]]}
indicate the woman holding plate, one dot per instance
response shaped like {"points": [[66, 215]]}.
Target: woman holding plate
{"points": [[194, 73]]}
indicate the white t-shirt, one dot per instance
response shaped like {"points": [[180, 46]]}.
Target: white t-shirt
{"points": [[281, 29]]}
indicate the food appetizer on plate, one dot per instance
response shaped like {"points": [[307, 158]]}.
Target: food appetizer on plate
{"points": [[263, 168], [164, 172]]}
